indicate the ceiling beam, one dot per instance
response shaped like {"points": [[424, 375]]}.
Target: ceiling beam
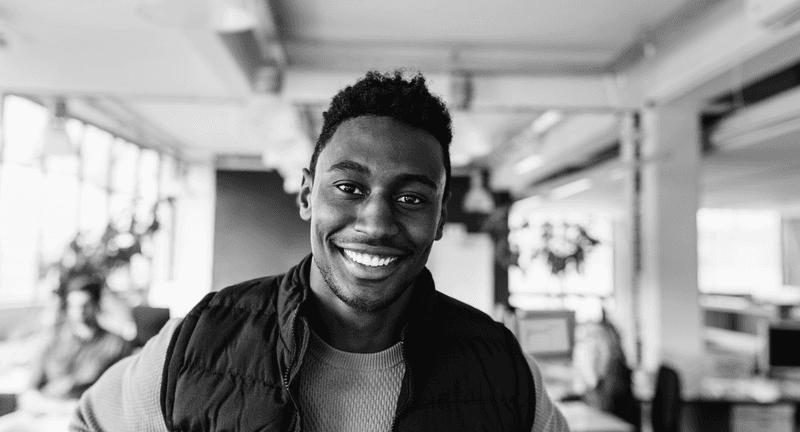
{"points": [[220, 60], [753, 158], [491, 93], [570, 143], [538, 93], [721, 50]]}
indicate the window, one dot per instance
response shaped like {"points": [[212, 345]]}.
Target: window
{"points": [[566, 262], [20, 200], [46, 201], [23, 122], [739, 251], [20, 211], [96, 161]]}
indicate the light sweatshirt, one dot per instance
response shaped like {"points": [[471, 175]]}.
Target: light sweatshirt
{"points": [[337, 398]]}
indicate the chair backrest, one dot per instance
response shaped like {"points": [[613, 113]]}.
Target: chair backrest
{"points": [[149, 321], [667, 401]]}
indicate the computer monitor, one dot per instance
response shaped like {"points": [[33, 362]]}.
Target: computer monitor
{"points": [[783, 355], [547, 335], [149, 321]]}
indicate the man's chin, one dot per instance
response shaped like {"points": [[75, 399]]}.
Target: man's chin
{"points": [[365, 294]]}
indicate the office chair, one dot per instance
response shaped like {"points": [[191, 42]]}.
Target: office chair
{"points": [[667, 401], [149, 321]]}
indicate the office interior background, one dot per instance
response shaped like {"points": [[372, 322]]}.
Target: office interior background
{"points": [[623, 160]]}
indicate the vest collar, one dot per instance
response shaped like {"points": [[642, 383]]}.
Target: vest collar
{"points": [[416, 335], [295, 291]]}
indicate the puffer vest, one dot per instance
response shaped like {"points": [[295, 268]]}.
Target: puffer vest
{"points": [[233, 363]]}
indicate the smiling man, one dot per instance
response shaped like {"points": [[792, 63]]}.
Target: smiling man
{"points": [[355, 337]]}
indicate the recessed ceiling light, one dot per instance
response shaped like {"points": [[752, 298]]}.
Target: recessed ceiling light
{"points": [[546, 121], [571, 188], [528, 164], [233, 16]]}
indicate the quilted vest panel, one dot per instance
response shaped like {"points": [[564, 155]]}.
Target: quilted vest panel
{"points": [[228, 365]]}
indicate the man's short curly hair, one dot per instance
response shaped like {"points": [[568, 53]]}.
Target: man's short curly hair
{"points": [[389, 95]]}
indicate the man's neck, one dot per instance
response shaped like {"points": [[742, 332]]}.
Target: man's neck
{"points": [[351, 330]]}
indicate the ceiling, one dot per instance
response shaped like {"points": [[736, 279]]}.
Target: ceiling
{"points": [[481, 36], [763, 176], [175, 70], [164, 62]]}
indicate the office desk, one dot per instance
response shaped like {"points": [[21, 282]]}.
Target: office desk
{"points": [[13, 382], [583, 418], [743, 405]]}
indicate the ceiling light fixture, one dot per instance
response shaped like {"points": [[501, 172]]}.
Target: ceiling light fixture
{"points": [[234, 16], [546, 121], [571, 188], [277, 127], [266, 111], [528, 164], [54, 139], [478, 198], [459, 159]]}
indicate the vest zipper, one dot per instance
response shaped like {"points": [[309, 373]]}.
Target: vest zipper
{"points": [[402, 408], [291, 364], [289, 371]]}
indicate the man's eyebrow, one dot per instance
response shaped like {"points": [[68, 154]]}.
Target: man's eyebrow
{"points": [[348, 165], [417, 178]]}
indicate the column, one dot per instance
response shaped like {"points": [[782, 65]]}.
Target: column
{"points": [[627, 244], [668, 297]]}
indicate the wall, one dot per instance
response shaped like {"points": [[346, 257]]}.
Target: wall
{"points": [[258, 229], [462, 262], [462, 267]]}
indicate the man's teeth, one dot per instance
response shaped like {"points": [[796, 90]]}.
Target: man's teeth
{"points": [[369, 260]]}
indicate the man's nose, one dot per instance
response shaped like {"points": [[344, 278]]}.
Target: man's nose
{"points": [[376, 218]]}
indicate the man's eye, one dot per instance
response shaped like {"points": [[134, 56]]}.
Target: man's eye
{"points": [[408, 199], [349, 189]]}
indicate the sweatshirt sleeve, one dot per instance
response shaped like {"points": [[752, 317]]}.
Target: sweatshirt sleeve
{"points": [[548, 417], [127, 397]]}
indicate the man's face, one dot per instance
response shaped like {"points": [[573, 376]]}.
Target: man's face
{"points": [[376, 205]]}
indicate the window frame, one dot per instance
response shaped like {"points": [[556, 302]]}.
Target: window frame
{"points": [[34, 296]]}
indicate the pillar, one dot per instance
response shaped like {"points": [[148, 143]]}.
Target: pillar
{"points": [[627, 241], [670, 319]]}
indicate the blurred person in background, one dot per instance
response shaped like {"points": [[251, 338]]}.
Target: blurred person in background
{"points": [[603, 373], [79, 350], [355, 337]]}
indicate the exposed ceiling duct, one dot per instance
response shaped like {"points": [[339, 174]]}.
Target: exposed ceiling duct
{"points": [[773, 122]]}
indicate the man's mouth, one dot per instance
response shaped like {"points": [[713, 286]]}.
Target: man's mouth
{"points": [[369, 260]]}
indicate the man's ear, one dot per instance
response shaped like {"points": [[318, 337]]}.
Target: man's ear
{"points": [[443, 217], [304, 196]]}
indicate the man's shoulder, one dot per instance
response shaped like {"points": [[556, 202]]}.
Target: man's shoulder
{"points": [[253, 294], [260, 292], [458, 319], [245, 287]]}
